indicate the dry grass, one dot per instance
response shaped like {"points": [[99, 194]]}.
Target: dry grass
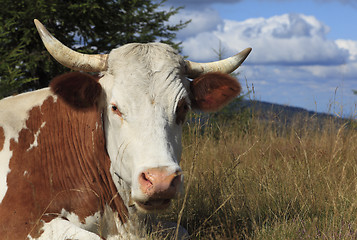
{"points": [[268, 181]]}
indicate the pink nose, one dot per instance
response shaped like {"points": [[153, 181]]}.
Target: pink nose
{"points": [[158, 183]]}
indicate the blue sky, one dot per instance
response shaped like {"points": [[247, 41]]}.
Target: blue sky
{"points": [[304, 52]]}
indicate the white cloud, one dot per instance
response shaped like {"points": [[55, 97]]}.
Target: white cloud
{"points": [[289, 39], [204, 20], [350, 46]]}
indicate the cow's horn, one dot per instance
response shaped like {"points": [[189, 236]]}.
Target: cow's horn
{"points": [[227, 65], [68, 57]]}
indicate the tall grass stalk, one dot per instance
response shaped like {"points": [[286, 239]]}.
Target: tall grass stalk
{"points": [[269, 180]]}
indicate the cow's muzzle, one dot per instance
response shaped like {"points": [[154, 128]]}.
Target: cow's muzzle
{"points": [[159, 186]]}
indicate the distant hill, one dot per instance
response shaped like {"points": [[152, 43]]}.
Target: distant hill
{"points": [[276, 113], [280, 110]]}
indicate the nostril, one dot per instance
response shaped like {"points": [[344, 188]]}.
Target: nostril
{"points": [[143, 176], [144, 180]]}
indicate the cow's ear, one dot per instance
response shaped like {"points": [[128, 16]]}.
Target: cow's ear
{"points": [[79, 90], [212, 91]]}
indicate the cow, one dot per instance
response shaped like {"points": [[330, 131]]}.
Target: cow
{"points": [[89, 157]]}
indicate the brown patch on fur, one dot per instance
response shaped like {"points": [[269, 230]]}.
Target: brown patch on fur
{"points": [[212, 91], [69, 169], [37, 230], [79, 90], [2, 138], [181, 111]]}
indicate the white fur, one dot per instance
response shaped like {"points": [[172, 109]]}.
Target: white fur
{"points": [[35, 143], [91, 223], [13, 115], [60, 228], [68, 226], [145, 82]]}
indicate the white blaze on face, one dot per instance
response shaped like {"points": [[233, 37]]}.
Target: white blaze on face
{"points": [[146, 84], [13, 115]]}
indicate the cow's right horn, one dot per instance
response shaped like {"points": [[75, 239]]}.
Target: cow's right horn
{"points": [[68, 57]]}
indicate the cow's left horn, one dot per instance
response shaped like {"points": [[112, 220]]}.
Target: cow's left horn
{"points": [[68, 57], [227, 65]]}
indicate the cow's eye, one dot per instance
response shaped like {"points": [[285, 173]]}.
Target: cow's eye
{"points": [[181, 111], [116, 110]]}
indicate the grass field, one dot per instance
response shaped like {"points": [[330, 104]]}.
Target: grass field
{"points": [[261, 179]]}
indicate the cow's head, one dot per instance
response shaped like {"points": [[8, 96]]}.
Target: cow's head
{"points": [[146, 95]]}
